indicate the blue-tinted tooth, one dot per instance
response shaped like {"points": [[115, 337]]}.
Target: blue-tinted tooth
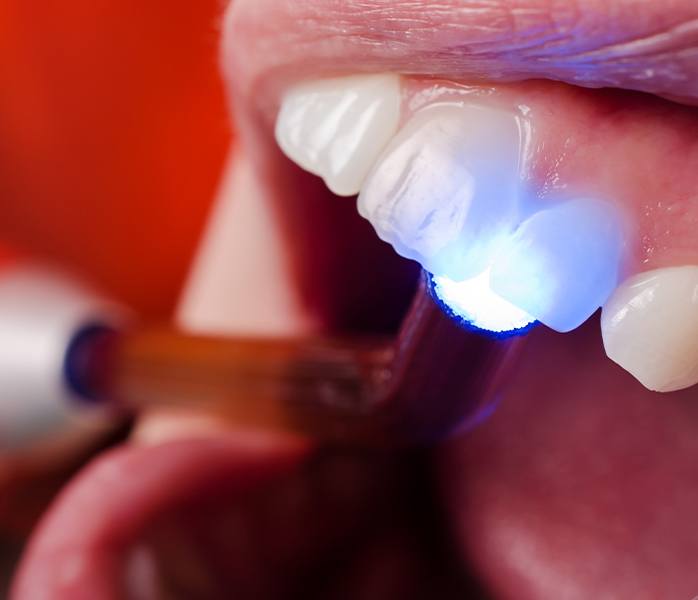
{"points": [[562, 263], [445, 190]]}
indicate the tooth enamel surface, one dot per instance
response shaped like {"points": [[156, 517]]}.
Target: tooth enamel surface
{"points": [[650, 327], [444, 192], [562, 263], [336, 128]]}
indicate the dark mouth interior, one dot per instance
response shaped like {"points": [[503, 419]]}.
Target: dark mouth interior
{"points": [[348, 524], [351, 280]]}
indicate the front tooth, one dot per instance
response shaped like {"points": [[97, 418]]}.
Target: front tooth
{"points": [[650, 327], [444, 192], [562, 263], [336, 128]]}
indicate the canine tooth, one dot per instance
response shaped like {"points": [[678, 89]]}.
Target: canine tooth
{"points": [[650, 327], [444, 192], [562, 263], [336, 128]]}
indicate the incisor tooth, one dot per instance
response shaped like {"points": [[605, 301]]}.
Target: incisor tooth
{"points": [[650, 327], [445, 191], [562, 263], [336, 128]]}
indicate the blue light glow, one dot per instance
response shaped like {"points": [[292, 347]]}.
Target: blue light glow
{"points": [[562, 263], [477, 306]]}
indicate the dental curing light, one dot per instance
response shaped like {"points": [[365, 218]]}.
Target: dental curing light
{"points": [[473, 303], [432, 379], [41, 314]]}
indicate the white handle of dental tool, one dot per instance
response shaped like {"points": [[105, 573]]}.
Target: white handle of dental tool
{"points": [[41, 313]]}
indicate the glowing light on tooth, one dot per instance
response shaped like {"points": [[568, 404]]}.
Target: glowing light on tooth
{"points": [[650, 327], [562, 263], [474, 302], [445, 191], [336, 128]]}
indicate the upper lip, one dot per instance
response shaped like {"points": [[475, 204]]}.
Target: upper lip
{"points": [[268, 44]]}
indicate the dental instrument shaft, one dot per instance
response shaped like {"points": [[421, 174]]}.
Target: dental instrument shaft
{"points": [[433, 378]]}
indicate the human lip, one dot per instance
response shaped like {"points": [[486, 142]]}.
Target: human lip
{"points": [[268, 44]]}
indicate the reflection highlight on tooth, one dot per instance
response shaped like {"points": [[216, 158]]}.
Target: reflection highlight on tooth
{"points": [[445, 191], [562, 263]]}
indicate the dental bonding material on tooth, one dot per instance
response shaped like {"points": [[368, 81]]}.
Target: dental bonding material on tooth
{"points": [[66, 359], [447, 189]]}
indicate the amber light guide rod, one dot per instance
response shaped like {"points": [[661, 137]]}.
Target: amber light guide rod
{"points": [[432, 378]]}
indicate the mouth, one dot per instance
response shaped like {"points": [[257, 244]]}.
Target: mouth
{"points": [[582, 480], [562, 450]]}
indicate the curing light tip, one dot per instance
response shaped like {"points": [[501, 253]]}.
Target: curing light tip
{"points": [[473, 303]]}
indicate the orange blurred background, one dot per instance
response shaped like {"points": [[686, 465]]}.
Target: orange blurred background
{"points": [[113, 133], [112, 136]]}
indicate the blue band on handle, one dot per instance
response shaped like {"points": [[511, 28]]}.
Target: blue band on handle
{"points": [[80, 367], [466, 321]]}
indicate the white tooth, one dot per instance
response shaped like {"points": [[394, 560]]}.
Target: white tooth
{"points": [[562, 263], [445, 191], [650, 327], [336, 128]]}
